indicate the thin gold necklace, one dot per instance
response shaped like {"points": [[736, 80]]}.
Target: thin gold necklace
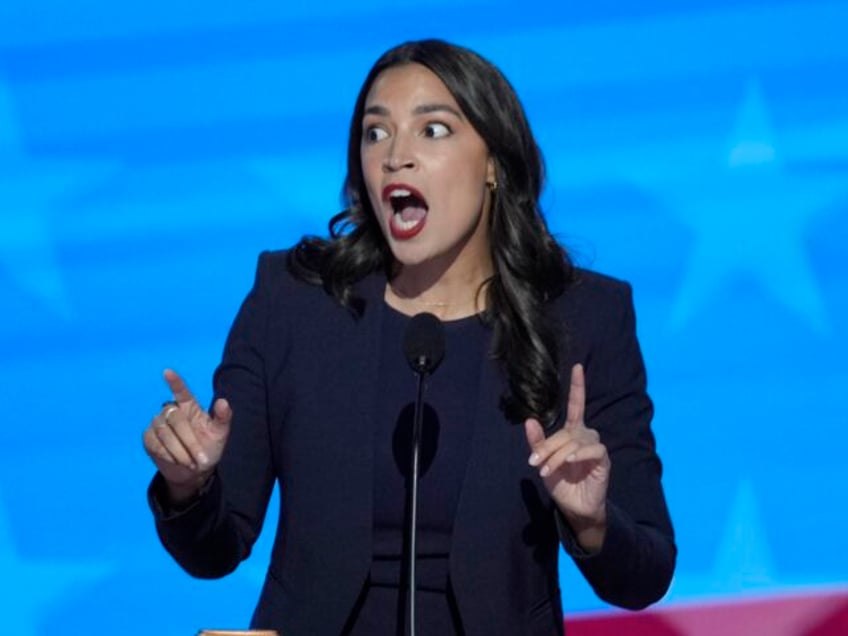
{"points": [[427, 303]]}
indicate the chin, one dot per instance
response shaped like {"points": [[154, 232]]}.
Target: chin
{"points": [[404, 259], [409, 255]]}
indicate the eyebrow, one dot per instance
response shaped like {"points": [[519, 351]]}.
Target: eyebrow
{"points": [[423, 109]]}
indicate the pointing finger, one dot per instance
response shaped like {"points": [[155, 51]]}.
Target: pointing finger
{"points": [[178, 387], [576, 398]]}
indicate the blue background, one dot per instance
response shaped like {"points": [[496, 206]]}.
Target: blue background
{"points": [[148, 153]]}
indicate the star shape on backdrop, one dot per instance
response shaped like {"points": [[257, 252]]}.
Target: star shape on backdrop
{"points": [[743, 575], [743, 562], [33, 586], [749, 214], [31, 191]]}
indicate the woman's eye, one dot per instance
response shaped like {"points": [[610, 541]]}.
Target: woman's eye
{"points": [[437, 130], [375, 133]]}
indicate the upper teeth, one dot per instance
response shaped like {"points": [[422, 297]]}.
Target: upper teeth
{"points": [[400, 193]]}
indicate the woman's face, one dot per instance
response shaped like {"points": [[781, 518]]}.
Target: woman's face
{"points": [[426, 171]]}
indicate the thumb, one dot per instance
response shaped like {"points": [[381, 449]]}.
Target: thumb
{"points": [[222, 415], [534, 431]]}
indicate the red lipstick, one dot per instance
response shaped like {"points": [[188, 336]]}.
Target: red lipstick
{"points": [[409, 210]]}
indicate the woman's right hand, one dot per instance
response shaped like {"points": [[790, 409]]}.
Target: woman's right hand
{"points": [[184, 442]]}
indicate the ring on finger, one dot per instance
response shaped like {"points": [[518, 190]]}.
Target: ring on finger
{"points": [[168, 412]]}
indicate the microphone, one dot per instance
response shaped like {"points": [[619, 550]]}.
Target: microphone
{"points": [[424, 347], [424, 343]]}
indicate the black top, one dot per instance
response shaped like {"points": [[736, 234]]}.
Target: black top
{"points": [[301, 375], [450, 395]]}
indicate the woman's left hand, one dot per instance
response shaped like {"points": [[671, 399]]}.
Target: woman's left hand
{"points": [[574, 466]]}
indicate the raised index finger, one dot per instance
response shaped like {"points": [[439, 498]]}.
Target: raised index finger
{"points": [[576, 398], [178, 387]]}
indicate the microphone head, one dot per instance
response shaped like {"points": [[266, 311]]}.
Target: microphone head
{"points": [[424, 342]]}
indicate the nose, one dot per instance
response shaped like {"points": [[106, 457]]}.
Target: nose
{"points": [[399, 156]]}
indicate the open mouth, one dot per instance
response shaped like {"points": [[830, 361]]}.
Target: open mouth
{"points": [[409, 211]]}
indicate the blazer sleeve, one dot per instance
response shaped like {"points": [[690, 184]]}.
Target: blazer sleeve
{"points": [[635, 564], [216, 531]]}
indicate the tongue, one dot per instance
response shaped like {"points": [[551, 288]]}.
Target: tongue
{"points": [[412, 213]]}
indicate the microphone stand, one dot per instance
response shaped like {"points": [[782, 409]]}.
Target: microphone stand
{"points": [[413, 512], [424, 347]]}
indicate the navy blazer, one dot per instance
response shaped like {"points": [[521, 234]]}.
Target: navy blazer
{"points": [[299, 372]]}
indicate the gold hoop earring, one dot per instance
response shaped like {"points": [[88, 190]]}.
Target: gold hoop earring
{"points": [[492, 185]]}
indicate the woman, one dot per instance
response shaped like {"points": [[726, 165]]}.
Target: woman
{"points": [[442, 191]]}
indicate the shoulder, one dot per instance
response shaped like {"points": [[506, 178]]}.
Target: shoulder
{"points": [[274, 274], [596, 310], [272, 268], [594, 292], [279, 289], [276, 281]]}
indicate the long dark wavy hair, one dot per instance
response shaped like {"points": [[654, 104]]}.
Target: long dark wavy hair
{"points": [[530, 267]]}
